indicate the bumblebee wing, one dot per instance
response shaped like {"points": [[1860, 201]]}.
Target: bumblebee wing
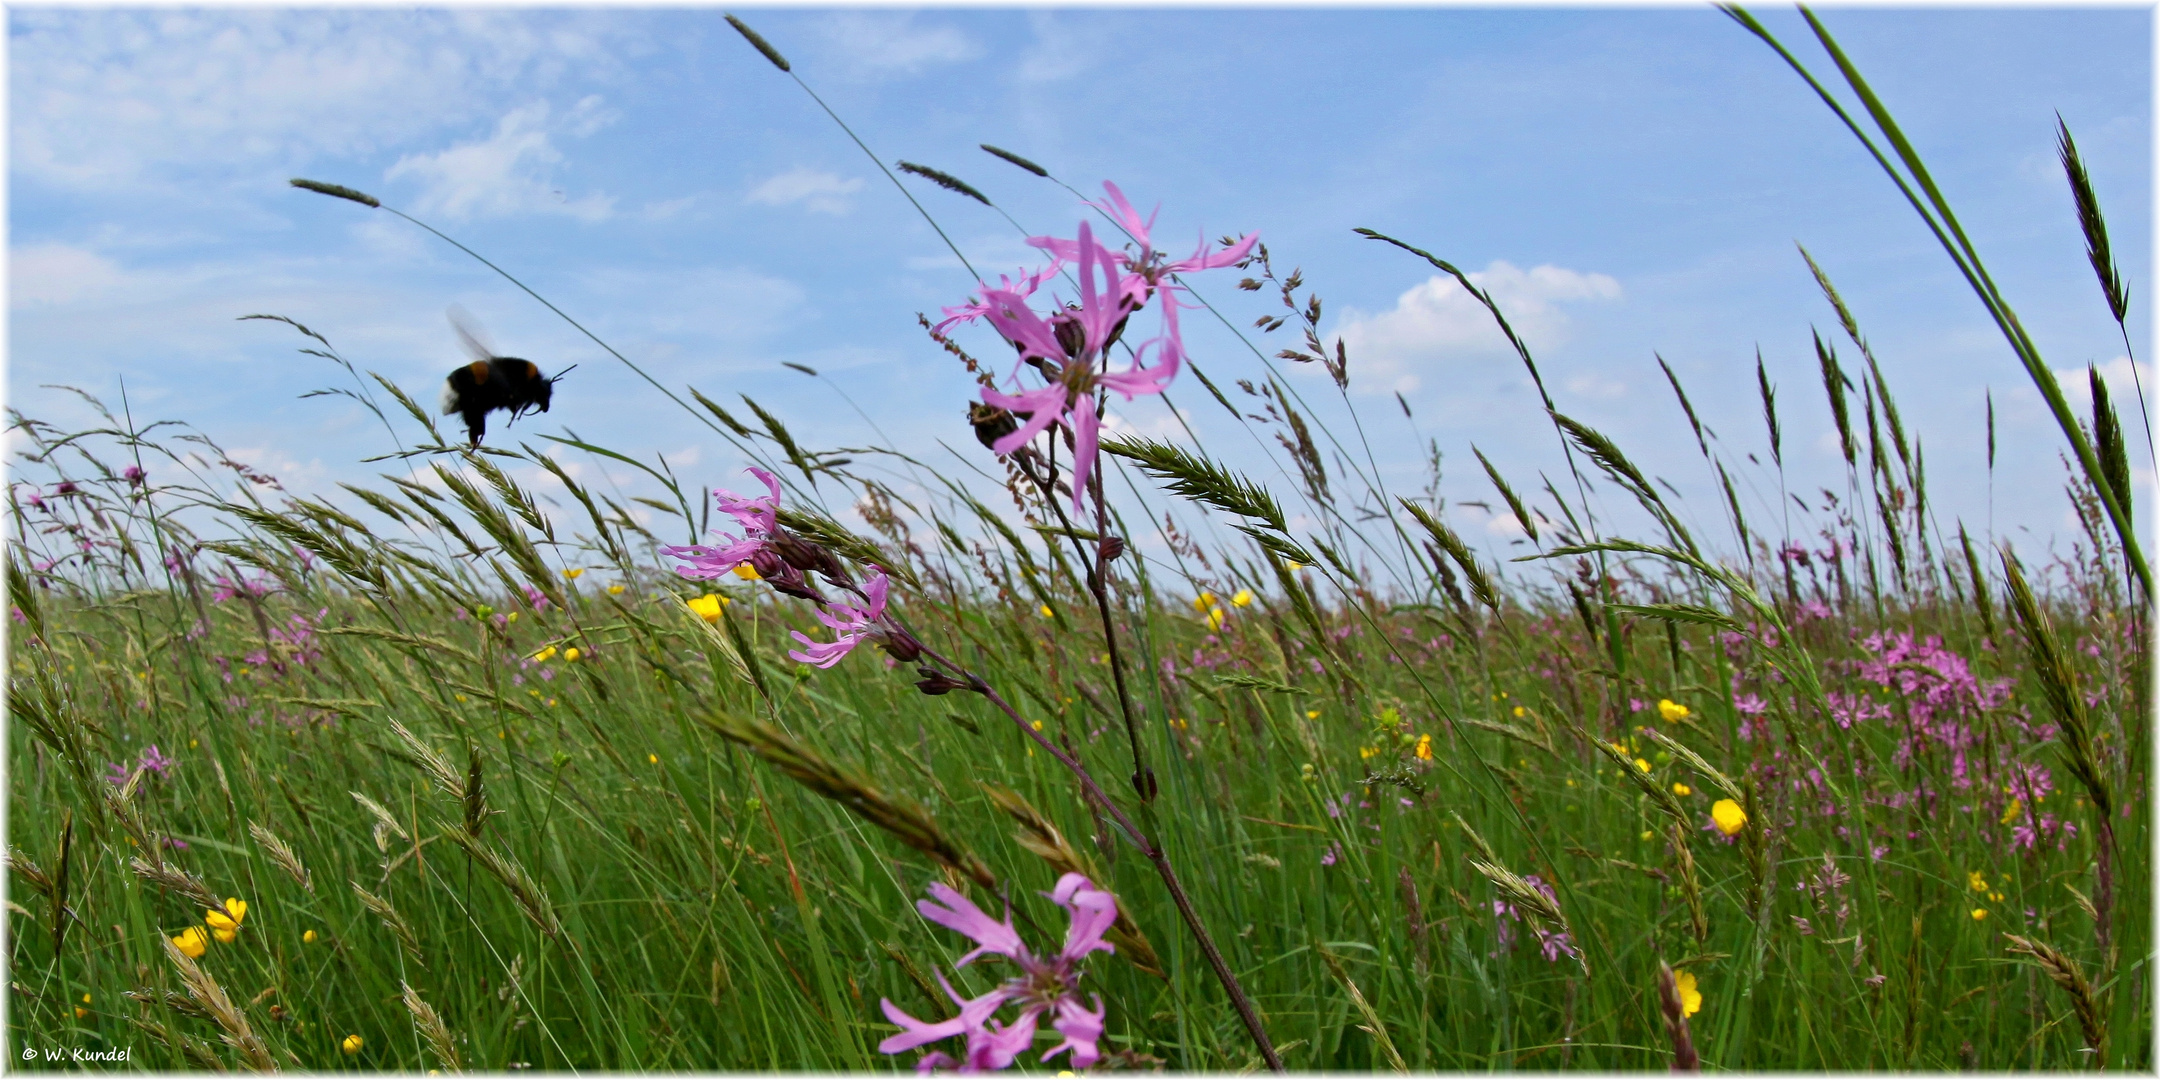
{"points": [[470, 335]]}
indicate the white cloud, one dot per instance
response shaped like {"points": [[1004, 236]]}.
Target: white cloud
{"points": [[2122, 388], [884, 43], [819, 192], [107, 99], [57, 274], [1436, 322], [1593, 385], [507, 173], [1062, 49]]}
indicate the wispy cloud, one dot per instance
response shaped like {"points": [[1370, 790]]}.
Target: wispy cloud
{"points": [[819, 192], [1436, 321], [508, 173], [876, 44], [109, 100]]}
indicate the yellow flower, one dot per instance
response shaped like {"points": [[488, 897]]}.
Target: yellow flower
{"points": [[573, 573], [461, 698], [351, 1045], [1672, 711], [1642, 765], [1366, 751], [652, 759], [1177, 722], [1203, 601], [513, 617], [1681, 789], [1979, 914], [1294, 567], [192, 942], [571, 654], [1979, 883], [1047, 613], [1243, 597], [1424, 748], [86, 999], [309, 937], [1646, 835], [545, 655], [1518, 710], [707, 607], [747, 572], [2011, 812], [1312, 714], [81, 1012], [1215, 618], [192, 744], [614, 590], [1729, 817], [1690, 997], [227, 926]]}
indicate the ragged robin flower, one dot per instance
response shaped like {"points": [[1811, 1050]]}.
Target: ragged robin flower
{"points": [[1045, 985], [1071, 347]]}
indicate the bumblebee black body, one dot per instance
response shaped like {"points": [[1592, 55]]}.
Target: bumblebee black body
{"points": [[498, 382], [492, 382]]}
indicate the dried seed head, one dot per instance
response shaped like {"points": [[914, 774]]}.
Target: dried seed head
{"points": [[338, 191], [944, 180], [1015, 159], [757, 42]]}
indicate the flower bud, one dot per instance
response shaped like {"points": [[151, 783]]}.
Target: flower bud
{"points": [[936, 683], [1112, 547]]}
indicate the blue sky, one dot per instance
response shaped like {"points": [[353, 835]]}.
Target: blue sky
{"points": [[1627, 182]]}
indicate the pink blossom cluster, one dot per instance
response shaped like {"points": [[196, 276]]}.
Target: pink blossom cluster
{"points": [[1070, 346], [1047, 985], [781, 560]]}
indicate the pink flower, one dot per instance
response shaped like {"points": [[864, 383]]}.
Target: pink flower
{"points": [[1070, 347], [850, 625], [155, 760], [759, 518], [1044, 985]]}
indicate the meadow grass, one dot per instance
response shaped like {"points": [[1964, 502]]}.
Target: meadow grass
{"points": [[499, 790]]}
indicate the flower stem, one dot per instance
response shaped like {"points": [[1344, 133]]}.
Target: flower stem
{"points": [[1153, 851]]}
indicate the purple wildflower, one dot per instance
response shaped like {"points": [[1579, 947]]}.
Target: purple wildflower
{"points": [[760, 521], [133, 474], [850, 625], [1071, 346], [155, 760], [1044, 986]]}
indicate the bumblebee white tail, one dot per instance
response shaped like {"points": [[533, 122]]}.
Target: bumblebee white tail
{"points": [[449, 398]]}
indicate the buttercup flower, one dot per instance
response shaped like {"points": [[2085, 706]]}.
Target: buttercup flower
{"points": [[1729, 817], [1690, 997], [1243, 597], [707, 606], [227, 926], [1044, 985], [1672, 711], [351, 1045], [192, 942]]}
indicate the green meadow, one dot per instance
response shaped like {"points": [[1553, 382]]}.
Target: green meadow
{"points": [[495, 787]]}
